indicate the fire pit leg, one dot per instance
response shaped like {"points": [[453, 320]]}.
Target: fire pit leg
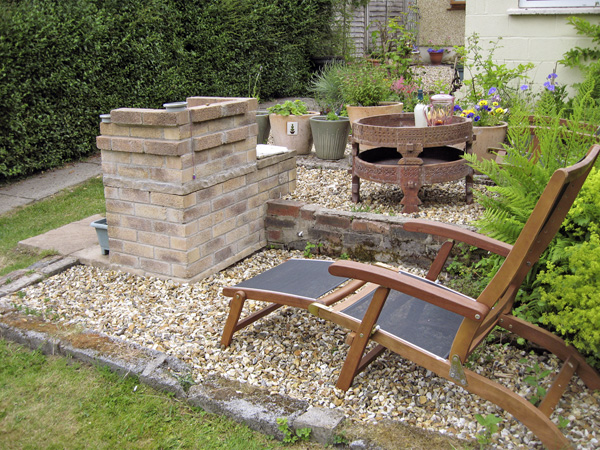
{"points": [[411, 184], [355, 188], [469, 188]]}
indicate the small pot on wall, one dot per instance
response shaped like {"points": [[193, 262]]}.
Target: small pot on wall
{"points": [[436, 57]]}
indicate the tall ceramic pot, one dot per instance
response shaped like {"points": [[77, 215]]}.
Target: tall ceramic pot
{"points": [[488, 138], [292, 132], [264, 126], [330, 136]]}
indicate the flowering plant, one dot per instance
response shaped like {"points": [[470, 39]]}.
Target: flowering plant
{"points": [[486, 113], [437, 48]]}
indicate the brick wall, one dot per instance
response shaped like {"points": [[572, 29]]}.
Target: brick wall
{"points": [[361, 235], [185, 193]]}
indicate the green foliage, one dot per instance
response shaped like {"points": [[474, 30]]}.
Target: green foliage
{"points": [[487, 72], [534, 379], [578, 56], [309, 247], [289, 108], [289, 436], [64, 63], [490, 427], [365, 85], [326, 88]]}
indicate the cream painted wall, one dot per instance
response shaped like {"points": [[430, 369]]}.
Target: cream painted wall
{"points": [[539, 36]]}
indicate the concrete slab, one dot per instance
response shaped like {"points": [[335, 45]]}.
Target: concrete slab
{"points": [[9, 202], [67, 239], [48, 183], [92, 256]]}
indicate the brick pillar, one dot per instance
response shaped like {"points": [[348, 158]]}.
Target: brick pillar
{"points": [[185, 194]]}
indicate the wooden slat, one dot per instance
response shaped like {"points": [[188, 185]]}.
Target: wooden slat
{"points": [[559, 385]]}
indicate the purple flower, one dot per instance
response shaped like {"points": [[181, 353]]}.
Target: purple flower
{"points": [[549, 86], [477, 118], [470, 115], [457, 108], [524, 87], [552, 76], [492, 91]]}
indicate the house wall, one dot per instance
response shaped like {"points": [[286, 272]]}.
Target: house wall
{"points": [[440, 24], [540, 36]]}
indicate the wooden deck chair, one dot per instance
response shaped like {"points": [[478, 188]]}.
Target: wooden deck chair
{"points": [[433, 326]]}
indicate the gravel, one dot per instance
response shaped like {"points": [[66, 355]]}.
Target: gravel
{"points": [[291, 352]]}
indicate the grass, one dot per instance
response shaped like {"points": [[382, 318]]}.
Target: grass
{"points": [[63, 208], [49, 402]]}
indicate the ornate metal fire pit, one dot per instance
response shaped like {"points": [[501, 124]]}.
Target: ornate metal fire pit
{"points": [[410, 157]]}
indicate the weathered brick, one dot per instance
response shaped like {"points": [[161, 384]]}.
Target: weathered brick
{"points": [[223, 254], [172, 200], [369, 226], [122, 259], [124, 144], [116, 157], [289, 208], [168, 175], [236, 234], [147, 160], [138, 173], [239, 106], [213, 245], [137, 223], [163, 118], [113, 129], [223, 201], [154, 239], [111, 193], [224, 227], [179, 162], [202, 143], [150, 211], [146, 132], [133, 248], [164, 147], [177, 133], [135, 195], [237, 134], [191, 270], [274, 235], [171, 256], [109, 168], [155, 267], [196, 212], [127, 116], [104, 142], [205, 113], [333, 221], [176, 229], [119, 207]]}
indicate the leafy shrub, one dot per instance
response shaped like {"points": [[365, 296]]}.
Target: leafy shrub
{"points": [[365, 85], [64, 63]]}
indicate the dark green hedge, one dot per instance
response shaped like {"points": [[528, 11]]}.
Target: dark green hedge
{"points": [[64, 62]]}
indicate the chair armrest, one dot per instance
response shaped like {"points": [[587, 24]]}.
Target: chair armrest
{"points": [[460, 234], [415, 287]]}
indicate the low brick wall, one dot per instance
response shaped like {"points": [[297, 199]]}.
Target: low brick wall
{"points": [[371, 237], [185, 193]]}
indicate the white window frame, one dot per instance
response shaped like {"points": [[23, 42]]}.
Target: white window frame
{"points": [[558, 3]]}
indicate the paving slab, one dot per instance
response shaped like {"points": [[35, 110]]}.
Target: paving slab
{"points": [[67, 239], [48, 183]]}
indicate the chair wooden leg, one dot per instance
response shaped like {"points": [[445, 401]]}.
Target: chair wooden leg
{"points": [[236, 305], [553, 344], [360, 341], [559, 385]]}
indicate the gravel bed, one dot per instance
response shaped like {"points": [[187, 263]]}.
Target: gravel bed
{"points": [[290, 352]]}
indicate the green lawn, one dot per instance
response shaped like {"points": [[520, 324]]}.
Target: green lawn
{"points": [[68, 206], [56, 403]]}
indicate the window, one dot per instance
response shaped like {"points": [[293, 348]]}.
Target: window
{"points": [[457, 4], [557, 3]]}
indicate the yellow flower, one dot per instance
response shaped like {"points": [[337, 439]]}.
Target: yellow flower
{"points": [[495, 104], [499, 111], [483, 102]]}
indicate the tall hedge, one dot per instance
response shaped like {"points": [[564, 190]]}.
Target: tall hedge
{"points": [[64, 62]]}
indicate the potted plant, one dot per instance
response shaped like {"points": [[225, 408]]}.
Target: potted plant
{"points": [[290, 126], [436, 53], [489, 126], [330, 134], [329, 130], [365, 90]]}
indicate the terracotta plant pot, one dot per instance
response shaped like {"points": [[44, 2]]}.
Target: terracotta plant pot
{"points": [[330, 136], [292, 132], [436, 58], [488, 138]]}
